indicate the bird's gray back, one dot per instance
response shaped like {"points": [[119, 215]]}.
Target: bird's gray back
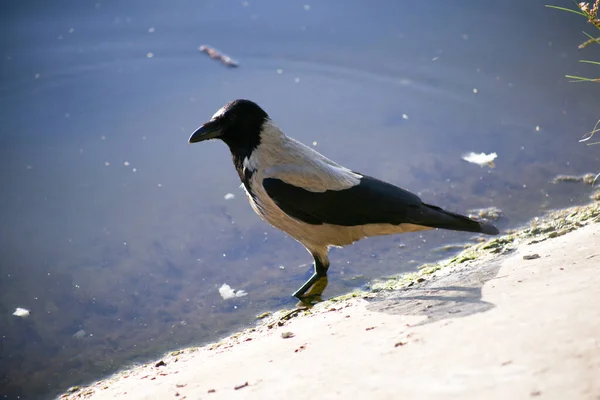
{"points": [[279, 156]]}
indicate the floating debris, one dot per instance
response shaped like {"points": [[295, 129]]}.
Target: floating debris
{"points": [[217, 55], [21, 312], [149, 54], [229, 196], [80, 334], [481, 159], [227, 292], [493, 213], [587, 179], [447, 248]]}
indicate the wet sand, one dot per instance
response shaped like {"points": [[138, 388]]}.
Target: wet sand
{"points": [[515, 317]]}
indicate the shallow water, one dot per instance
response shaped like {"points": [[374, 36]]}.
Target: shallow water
{"points": [[115, 232]]}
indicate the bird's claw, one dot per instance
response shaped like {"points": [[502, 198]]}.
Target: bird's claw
{"points": [[313, 295], [308, 301]]}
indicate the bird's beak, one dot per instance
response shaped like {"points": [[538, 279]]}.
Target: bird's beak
{"points": [[209, 130]]}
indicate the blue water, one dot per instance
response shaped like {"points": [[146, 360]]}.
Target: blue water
{"points": [[111, 224]]}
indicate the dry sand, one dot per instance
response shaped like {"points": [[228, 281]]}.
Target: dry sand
{"points": [[500, 328]]}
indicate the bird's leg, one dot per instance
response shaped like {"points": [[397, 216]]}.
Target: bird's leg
{"points": [[310, 293]]}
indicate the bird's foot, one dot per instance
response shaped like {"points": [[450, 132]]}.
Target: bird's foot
{"points": [[313, 295]]}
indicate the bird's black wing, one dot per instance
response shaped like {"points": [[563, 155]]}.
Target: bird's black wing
{"points": [[371, 201]]}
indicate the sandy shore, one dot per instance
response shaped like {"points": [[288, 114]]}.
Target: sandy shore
{"points": [[514, 318]]}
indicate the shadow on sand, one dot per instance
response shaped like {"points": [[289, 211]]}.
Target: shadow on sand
{"points": [[457, 294]]}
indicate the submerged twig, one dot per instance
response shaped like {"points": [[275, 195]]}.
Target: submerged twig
{"points": [[217, 55], [589, 135]]}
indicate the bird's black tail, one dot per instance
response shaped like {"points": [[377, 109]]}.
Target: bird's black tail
{"points": [[435, 217]]}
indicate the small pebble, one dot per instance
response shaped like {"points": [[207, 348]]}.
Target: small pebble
{"points": [[531, 256]]}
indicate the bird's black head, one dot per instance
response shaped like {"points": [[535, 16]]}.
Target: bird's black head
{"points": [[238, 124]]}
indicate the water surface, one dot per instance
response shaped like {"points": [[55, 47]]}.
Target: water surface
{"points": [[115, 232]]}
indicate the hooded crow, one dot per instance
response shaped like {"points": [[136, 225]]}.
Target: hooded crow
{"points": [[313, 199]]}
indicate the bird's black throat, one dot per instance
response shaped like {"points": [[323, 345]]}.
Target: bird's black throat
{"points": [[242, 143], [238, 155]]}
